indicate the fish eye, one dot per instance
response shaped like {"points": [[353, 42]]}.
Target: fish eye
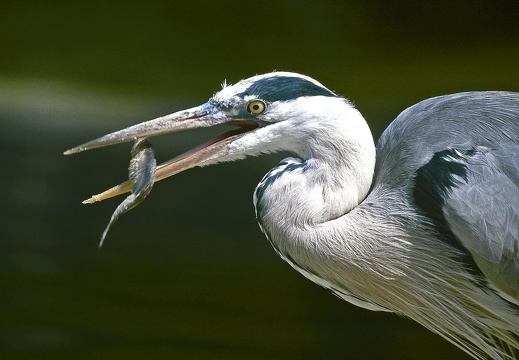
{"points": [[256, 107]]}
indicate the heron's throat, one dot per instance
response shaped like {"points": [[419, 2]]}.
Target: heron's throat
{"points": [[314, 191], [330, 176]]}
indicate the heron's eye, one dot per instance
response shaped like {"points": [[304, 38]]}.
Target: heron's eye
{"points": [[256, 107]]}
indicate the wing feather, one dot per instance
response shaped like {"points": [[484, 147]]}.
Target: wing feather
{"points": [[483, 213], [458, 155]]}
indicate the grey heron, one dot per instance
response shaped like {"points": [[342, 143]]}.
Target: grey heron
{"points": [[425, 224]]}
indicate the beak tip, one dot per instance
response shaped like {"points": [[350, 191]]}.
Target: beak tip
{"points": [[73, 151], [93, 199]]}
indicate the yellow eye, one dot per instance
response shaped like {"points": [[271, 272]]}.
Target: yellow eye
{"points": [[256, 107]]}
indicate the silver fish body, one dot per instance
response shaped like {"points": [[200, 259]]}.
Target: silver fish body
{"points": [[141, 174]]}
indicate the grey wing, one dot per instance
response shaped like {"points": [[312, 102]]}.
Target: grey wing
{"points": [[482, 210]]}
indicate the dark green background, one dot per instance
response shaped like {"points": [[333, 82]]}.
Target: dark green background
{"points": [[188, 274]]}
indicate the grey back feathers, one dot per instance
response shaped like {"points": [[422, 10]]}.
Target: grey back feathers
{"points": [[460, 156]]}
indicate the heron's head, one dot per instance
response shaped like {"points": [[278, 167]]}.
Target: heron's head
{"points": [[279, 111]]}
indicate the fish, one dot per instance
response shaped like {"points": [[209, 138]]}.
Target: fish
{"points": [[141, 175]]}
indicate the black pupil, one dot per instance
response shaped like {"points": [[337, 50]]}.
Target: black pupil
{"points": [[255, 107]]}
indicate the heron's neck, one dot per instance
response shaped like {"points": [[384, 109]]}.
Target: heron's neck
{"points": [[332, 176]]}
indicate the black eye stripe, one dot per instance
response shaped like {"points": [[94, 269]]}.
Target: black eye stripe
{"points": [[284, 88]]}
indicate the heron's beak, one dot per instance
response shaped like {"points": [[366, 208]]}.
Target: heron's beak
{"points": [[198, 117]]}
